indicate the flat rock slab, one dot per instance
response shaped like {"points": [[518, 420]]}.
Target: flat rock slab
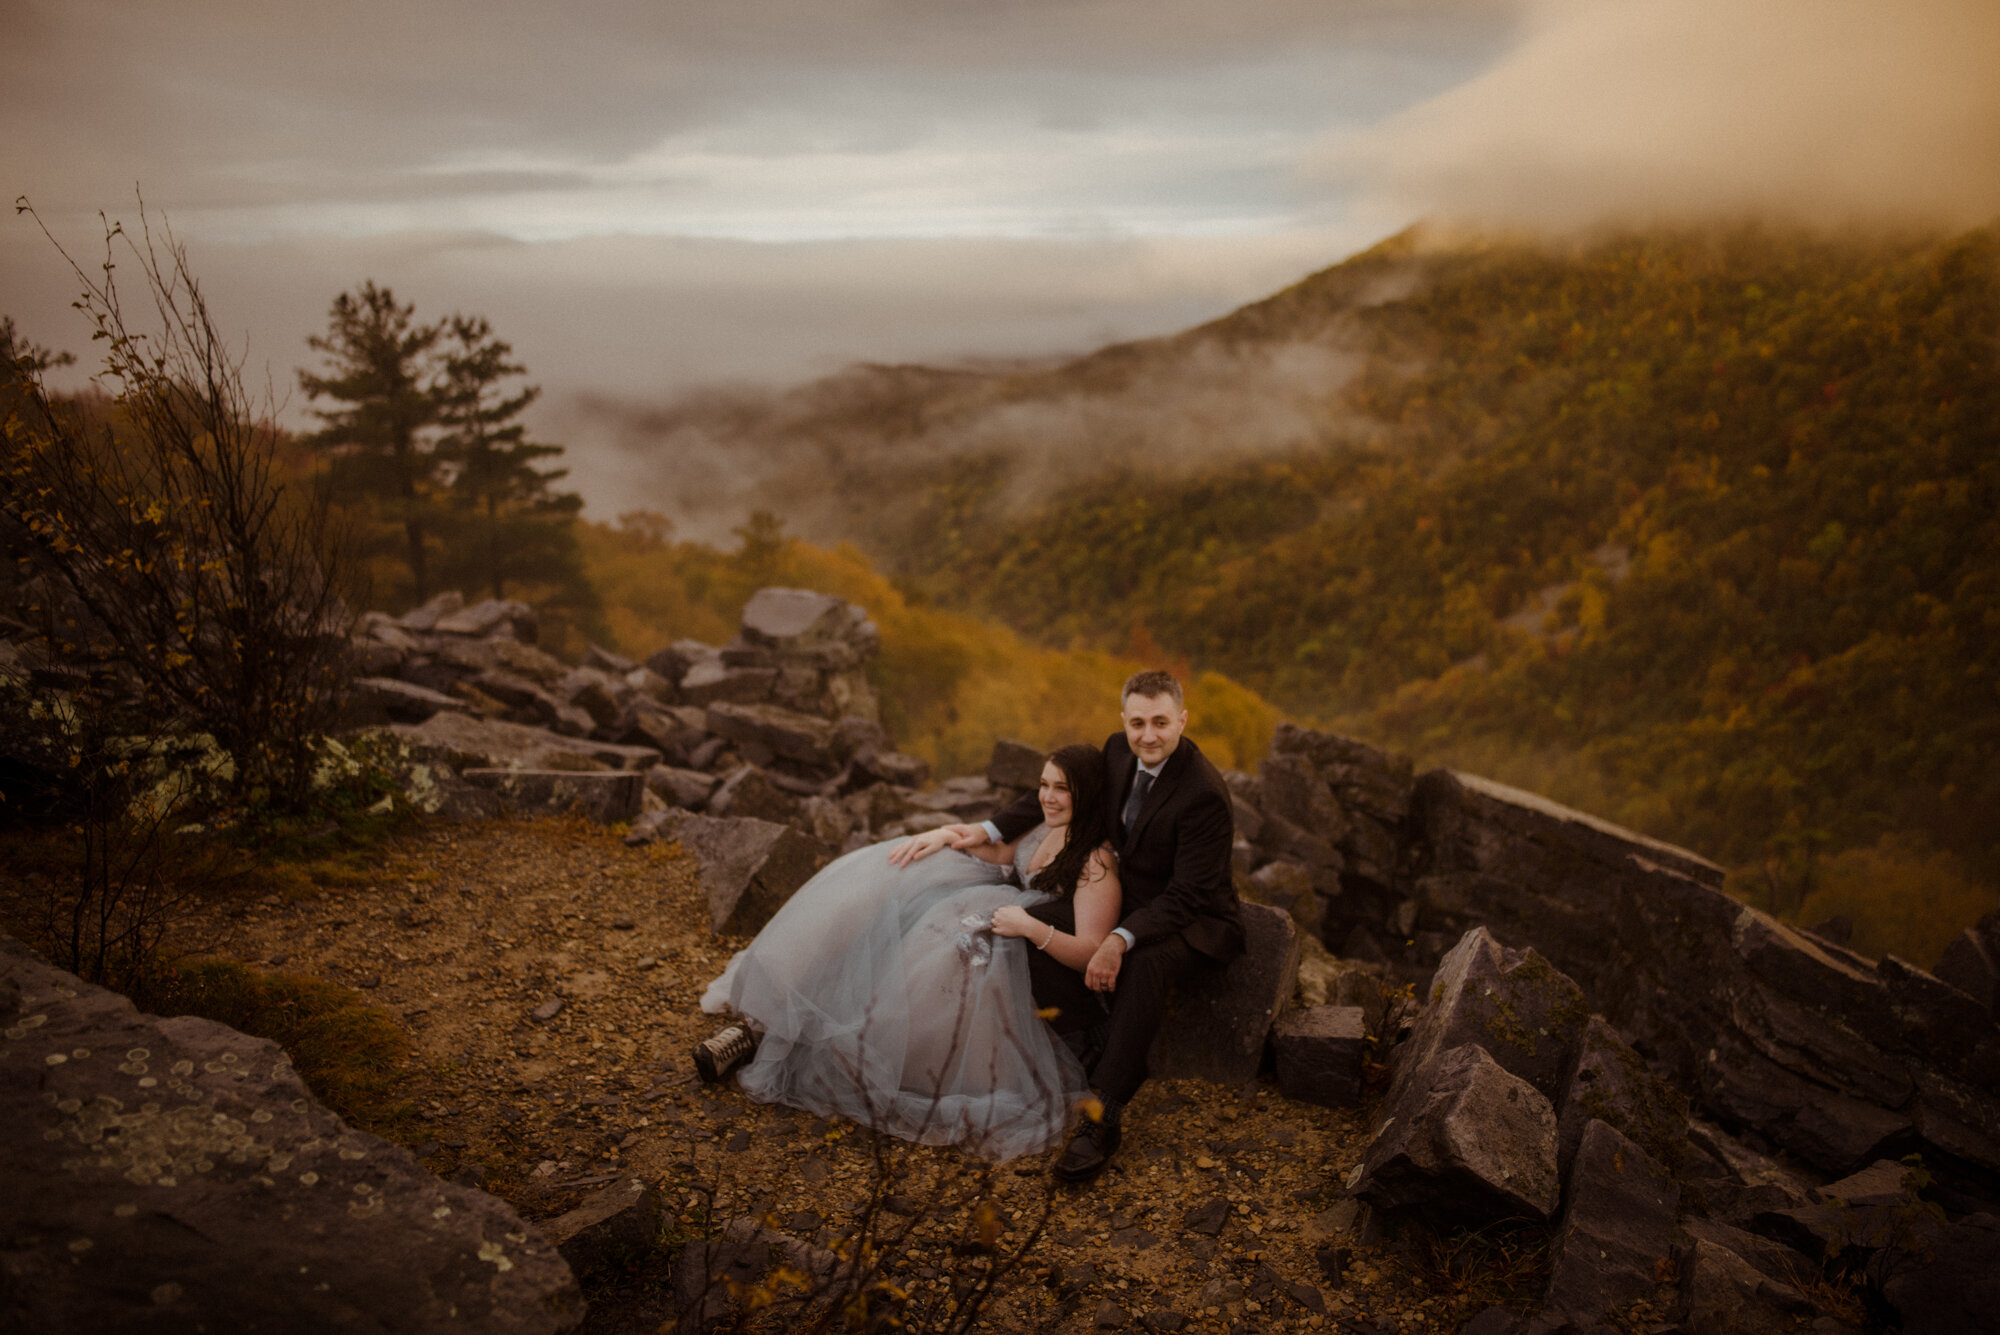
{"points": [[1467, 1142], [1617, 1228], [176, 1175], [495, 616], [464, 742], [604, 795], [1319, 1054], [749, 867], [1216, 1025]]}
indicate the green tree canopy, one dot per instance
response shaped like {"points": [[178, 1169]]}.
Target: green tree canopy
{"points": [[423, 436], [508, 523], [379, 369]]}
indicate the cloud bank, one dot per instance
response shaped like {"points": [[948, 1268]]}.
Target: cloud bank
{"points": [[1635, 110]]}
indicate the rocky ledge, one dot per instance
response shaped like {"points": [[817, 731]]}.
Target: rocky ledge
{"points": [[176, 1175]]}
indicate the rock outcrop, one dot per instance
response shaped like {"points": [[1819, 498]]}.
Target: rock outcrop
{"points": [[176, 1175], [1820, 1052]]}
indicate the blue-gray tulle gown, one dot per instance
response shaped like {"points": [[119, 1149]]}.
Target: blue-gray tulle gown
{"points": [[874, 1008]]}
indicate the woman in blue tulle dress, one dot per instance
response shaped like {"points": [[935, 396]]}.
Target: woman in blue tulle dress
{"points": [[899, 997]]}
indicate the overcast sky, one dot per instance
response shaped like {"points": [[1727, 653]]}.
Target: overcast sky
{"points": [[650, 194]]}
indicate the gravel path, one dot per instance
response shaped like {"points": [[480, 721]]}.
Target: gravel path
{"points": [[549, 977]]}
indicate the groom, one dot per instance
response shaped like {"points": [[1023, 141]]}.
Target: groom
{"points": [[1173, 830]]}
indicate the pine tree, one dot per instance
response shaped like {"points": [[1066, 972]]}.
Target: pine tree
{"points": [[379, 373], [509, 524]]}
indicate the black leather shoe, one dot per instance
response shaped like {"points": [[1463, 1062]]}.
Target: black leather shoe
{"points": [[1091, 1148]]}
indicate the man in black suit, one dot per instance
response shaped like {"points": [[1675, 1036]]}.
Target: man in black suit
{"points": [[1180, 915]]}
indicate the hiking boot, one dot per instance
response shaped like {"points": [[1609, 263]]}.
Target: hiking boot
{"points": [[1091, 1148], [723, 1051]]}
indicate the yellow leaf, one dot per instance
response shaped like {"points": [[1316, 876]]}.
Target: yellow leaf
{"points": [[1092, 1107], [1048, 1012], [986, 1224]]}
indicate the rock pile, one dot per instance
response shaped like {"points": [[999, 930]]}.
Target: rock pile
{"points": [[176, 1175], [1509, 1103], [1556, 1080], [1828, 1055], [779, 725]]}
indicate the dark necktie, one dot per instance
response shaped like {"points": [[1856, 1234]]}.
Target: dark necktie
{"points": [[1142, 783]]}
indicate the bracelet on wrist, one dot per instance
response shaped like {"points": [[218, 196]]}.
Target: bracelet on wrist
{"points": [[1049, 938]]}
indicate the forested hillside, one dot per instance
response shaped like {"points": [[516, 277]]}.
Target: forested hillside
{"points": [[1696, 529]]}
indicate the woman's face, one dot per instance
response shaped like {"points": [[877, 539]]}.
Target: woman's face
{"points": [[1055, 794]]}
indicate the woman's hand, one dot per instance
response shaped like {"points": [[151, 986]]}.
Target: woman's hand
{"points": [[967, 837], [1013, 920]]}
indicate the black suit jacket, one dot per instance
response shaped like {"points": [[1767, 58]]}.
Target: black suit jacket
{"points": [[1174, 866]]}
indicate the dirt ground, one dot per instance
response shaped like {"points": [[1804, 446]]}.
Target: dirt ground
{"points": [[550, 979]]}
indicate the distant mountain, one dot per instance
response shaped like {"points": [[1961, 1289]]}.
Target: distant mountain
{"points": [[1697, 528], [839, 457]]}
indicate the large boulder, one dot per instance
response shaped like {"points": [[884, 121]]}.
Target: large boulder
{"points": [[1310, 774], [1014, 765], [1616, 1231], [749, 867], [1216, 1024], [176, 1175], [1513, 1003], [1609, 1081], [1465, 1143], [803, 625]]}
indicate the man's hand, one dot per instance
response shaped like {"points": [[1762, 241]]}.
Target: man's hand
{"points": [[930, 841], [1101, 974]]}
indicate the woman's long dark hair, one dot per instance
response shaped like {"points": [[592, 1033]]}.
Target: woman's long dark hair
{"points": [[1089, 821]]}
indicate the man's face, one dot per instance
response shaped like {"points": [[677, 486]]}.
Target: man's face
{"points": [[1153, 726]]}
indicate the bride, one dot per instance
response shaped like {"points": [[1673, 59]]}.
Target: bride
{"points": [[899, 997]]}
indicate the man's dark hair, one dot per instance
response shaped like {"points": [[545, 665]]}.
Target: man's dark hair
{"points": [[1151, 683]]}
